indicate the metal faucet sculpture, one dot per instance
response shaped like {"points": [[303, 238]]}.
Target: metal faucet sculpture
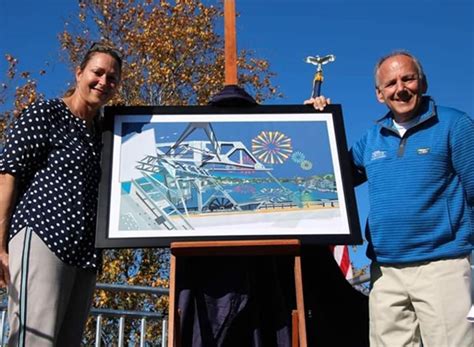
{"points": [[318, 77]]}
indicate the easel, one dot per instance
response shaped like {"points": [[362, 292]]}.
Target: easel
{"points": [[239, 248]]}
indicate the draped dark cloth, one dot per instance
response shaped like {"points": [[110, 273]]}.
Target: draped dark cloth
{"points": [[227, 301]]}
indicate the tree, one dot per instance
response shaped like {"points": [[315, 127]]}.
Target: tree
{"points": [[13, 101], [131, 267], [172, 56]]}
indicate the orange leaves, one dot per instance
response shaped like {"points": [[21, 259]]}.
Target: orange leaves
{"points": [[12, 62], [25, 95], [132, 267], [102, 298], [10, 59], [18, 90], [173, 55]]}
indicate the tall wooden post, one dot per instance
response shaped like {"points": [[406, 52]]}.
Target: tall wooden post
{"points": [[230, 43], [231, 94]]}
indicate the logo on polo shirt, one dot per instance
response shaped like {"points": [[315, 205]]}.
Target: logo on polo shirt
{"points": [[423, 151], [378, 155]]}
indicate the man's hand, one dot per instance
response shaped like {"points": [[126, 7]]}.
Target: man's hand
{"points": [[4, 271], [319, 102]]}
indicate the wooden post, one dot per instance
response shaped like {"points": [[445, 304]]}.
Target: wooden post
{"points": [[294, 329], [173, 322], [230, 43], [300, 301]]}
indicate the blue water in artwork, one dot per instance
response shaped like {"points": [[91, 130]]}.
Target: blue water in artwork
{"points": [[222, 193]]}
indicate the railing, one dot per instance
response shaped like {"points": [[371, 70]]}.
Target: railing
{"points": [[99, 313], [359, 280], [122, 315], [127, 314], [3, 307]]}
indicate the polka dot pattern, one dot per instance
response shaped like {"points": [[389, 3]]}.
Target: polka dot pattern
{"points": [[56, 161]]}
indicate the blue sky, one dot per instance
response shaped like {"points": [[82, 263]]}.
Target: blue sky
{"points": [[293, 134], [438, 32]]}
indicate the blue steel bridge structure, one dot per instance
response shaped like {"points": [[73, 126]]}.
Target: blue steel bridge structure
{"points": [[182, 179]]}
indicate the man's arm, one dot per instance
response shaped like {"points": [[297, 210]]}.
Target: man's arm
{"points": [[358, 174], [7, 202], [462, 153]]}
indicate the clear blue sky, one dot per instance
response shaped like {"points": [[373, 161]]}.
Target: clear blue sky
{"points": [[439, 32]]}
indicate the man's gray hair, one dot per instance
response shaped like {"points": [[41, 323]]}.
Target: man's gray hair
{"points": [[419, 67]]}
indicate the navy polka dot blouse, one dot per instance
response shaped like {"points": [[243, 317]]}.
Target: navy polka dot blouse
{"points": [[56, 161]]}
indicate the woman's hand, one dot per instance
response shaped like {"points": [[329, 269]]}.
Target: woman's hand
{"points": [[7, 202], [4, 271]]}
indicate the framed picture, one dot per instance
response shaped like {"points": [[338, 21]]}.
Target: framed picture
{"points": [[214, 173]]}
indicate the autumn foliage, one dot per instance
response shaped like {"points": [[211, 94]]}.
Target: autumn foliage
{"points": [[17, 90], [173, 55], [132, 267]]}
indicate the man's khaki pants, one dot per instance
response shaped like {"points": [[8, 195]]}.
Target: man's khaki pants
{"points": [[427, 301]]}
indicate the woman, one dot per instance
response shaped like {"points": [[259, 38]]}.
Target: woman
{"points": [[49, 176]]}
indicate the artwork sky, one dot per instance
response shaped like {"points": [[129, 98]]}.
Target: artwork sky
{"points": [[215, 175]]}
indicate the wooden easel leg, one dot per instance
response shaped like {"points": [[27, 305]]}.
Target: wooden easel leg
{"points": [[172, 316], [300, 302], [177, 328], [294, 329]]}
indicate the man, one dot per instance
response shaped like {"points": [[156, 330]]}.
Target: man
{"points": [[418, 162]]}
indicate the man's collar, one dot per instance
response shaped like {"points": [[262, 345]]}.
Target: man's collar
{"points": [[425, 110]]}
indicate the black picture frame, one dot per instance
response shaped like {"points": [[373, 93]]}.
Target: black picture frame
{"points": [[209, 181]]}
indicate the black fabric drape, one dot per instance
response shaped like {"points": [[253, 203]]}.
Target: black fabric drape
{"points": [[228, 301]]}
